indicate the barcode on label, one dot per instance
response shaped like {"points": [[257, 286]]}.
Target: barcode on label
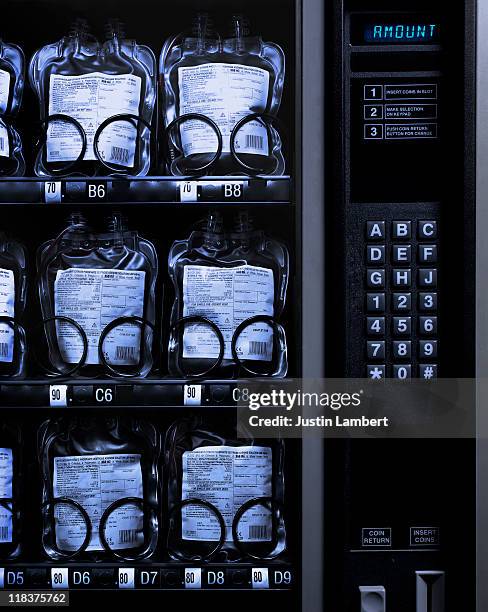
{"points": [[2, 144], [258, 532], [253, 141], [127, 536], [4, 535], [119, 154], [124, 353], [258, 348], [4, 349]]}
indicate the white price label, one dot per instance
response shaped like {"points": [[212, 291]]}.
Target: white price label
{"points": [[2, 577], [59, 578], [189, 191], [58, 396], [192, 395], [193, 578], [52, 192], [260, 578], [126, 578]]}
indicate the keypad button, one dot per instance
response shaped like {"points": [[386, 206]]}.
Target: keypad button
{"points": [[375, 279], [402, 302], [401, 230], [375, 230], [428, 302], [428, 278], [402, 349], [375, 326], [402, 326], [402, 279], [402, 371], [376, 372], [402, 254], [427, 230], [428, 326], [428, 371], [375, 254], [427, 253], [376, 350], [375, 302], [427, 349]]}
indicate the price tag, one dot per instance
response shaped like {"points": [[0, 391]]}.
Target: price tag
{"points": [[52, 192], [59, 578], [58, 396], [192, 395], [260, 578], [189, 191], [126, 578], [2, 577], [193, 578]]}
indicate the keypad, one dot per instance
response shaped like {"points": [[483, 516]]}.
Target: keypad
{"points": [[401, 298]]}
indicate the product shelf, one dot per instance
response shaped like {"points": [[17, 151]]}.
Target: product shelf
{"points": [[270, 575], [124, 393], [261, 190]]}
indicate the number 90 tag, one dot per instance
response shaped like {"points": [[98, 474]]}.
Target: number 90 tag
{"points": [[58, 396], [192, 395]]}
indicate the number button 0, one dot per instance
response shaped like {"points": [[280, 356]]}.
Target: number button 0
{"points": [[402, 372]]}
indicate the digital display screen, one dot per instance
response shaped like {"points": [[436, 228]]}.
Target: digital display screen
{"points": [[396, 29], [407, 33]]}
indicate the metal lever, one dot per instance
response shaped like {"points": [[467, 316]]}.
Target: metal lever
{"points": [[373, 598], [430, 591]]}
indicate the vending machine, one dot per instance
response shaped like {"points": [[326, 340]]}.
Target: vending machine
{"points": [[402, 255], [202, 196], [161, 184]]}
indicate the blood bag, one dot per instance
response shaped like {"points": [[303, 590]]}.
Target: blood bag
{"points": [[96, 103], [97, 294], [225, 497], [12, 75], [221, 98], [230, 291], [100, 488], [10, 494], [13, 296]]}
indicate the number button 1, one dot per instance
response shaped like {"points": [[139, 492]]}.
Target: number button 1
{"points": [[373, 92], [375, 302]]}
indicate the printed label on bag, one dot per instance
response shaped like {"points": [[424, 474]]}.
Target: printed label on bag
{"points": [[225, 93], [7, 309], [4, 142], [227, 477], [95, 482], [90, 99], [94, 298], [6, 476], [4, 90], [228, 296]]}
